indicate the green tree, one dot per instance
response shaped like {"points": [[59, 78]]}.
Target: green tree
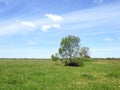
{"points": [[69, 47], [54, 57], [84, 52]]}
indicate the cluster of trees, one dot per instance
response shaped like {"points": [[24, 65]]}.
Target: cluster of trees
{"points": [[70, 50]]}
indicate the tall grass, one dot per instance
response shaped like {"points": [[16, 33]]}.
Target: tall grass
{"points": [[46, 75]]}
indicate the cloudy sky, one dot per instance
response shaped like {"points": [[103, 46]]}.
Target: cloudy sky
{"points": [[34, 28]]}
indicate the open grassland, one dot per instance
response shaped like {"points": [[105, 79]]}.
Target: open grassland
{"points": [[47, 75]]}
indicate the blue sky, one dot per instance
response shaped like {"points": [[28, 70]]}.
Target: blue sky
{"points": [[34, 28]]}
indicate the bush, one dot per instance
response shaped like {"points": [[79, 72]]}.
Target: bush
{"points": [[75, 62], [54, 58], [71, 64], [79, 61]]}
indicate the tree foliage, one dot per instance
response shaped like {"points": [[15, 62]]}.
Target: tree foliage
{"points": [[69, 47], [84, 52], [70, 52], [55, 57]]}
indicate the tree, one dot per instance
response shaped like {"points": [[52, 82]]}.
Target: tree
{"points": [[69, 47], [54, 57], [84, 52]]}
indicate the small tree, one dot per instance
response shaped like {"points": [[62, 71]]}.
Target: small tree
{"points": [[70, 52], [84, 52], [69, 47], [54, 57]]}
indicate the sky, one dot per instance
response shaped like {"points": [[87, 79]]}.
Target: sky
{"points": [[35, 28]]}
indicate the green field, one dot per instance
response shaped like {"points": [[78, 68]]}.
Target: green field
{"points": [[48, 75]]}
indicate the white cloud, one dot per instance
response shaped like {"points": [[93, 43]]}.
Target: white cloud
{"points": [[16, 27], [54, 17], [45, 27], [25, 23], [108, 39], [98, 1], [24, 27], [105, 15], [56, 26]]}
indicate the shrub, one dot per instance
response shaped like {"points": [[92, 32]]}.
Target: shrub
{"points": [[75, 62], [109, 58], [71, 64], [54, 58], [79, 61]]}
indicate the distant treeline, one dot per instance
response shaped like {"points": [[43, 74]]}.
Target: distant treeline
{"points": [[24, 59], [50, 59], [108, 58]]}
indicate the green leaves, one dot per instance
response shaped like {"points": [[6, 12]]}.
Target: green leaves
{"points": [[54, 57], [69, 47]]}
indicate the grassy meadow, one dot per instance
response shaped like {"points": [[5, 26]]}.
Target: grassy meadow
{"points": [[48, 75]]}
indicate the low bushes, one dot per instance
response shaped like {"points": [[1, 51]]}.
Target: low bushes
{"points": [[75, 62], [71, 64]]}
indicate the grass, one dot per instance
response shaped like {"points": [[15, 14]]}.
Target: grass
{"points": [[47, 75]]}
